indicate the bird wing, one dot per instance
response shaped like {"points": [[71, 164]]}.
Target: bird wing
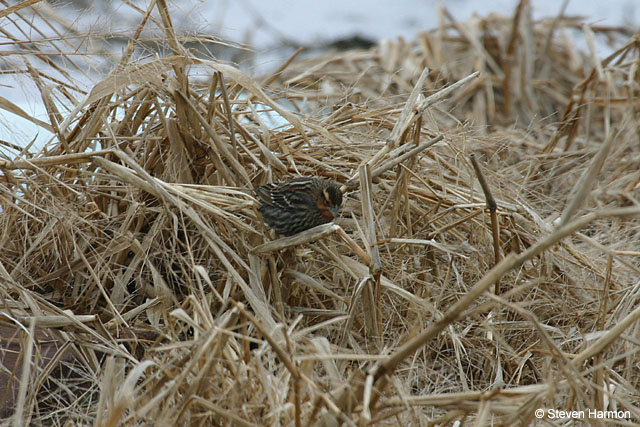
{"points": [[287, 195]]}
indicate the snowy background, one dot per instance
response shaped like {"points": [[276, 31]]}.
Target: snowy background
{"points": [[266, 21], [271, 29]]}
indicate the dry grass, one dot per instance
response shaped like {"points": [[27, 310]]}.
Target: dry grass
{"points": [[138, 284]]}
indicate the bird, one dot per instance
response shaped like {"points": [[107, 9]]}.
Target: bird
{"points": [[299, 204]]}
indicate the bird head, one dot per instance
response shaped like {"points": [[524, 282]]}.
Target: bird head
{"points": [[332, 199]]}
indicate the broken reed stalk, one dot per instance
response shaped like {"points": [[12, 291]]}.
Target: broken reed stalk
{"points": [[572, 114], [354, 182], [27, 363], [510, 60], [371, 302], [276, 285], [382, 370], [282, 354], [354, 246], [412, 110], [493, 211], [414, 151], [508, 263], [401, 125], [227, 107], [605, 340], [167, 258], [68, 320], [276, 73], [585, 183], [61, 160], [306, 236]]}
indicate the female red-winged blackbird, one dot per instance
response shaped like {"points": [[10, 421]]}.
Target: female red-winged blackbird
{"points": [[297, 205]]}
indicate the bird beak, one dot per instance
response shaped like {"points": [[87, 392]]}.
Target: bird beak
{"points": [[334, 211]]}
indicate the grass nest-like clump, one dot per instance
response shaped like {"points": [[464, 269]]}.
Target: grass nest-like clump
{"points": [[485, 263]]}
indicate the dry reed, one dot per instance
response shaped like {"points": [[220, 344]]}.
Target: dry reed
{"points": [[139, 285]]}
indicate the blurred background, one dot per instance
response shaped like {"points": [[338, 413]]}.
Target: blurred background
{"points": [[256, 35]]}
